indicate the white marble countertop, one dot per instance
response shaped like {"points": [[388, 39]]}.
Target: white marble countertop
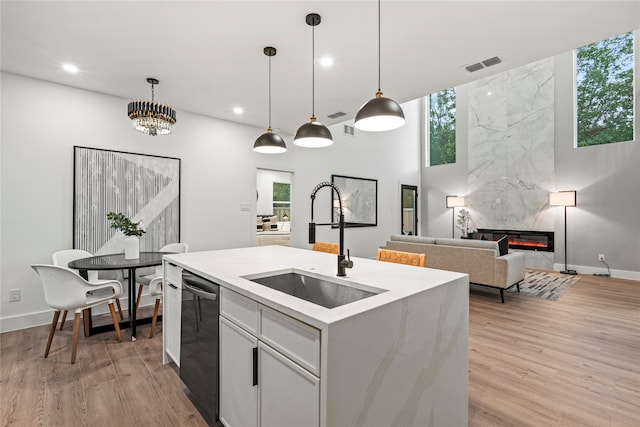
{"points": [[228, 268]]}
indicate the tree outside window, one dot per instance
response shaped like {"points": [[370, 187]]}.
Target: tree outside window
{"points": [[604, 82], [442, 127], [282, 200]]}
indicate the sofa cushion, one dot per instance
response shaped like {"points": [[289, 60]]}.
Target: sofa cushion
{"points": [[470, 243], [412, 239]]}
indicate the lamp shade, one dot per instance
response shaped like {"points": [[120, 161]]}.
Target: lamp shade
{"points": [[269, 143], [313, 135], [455, 201], [562, 198], [379, 114]]}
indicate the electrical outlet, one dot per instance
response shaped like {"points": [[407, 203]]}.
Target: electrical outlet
{"points": [[14, 295], [600, 257]]}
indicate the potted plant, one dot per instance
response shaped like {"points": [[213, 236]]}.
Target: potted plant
{"points": [[465, 225], [133, 230]]}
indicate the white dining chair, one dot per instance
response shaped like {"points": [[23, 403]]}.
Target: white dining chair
{"points": [[65, 290], [144, 280], [64, 257]]}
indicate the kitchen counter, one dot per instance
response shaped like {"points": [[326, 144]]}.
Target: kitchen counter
{"points": [[396, 358]]}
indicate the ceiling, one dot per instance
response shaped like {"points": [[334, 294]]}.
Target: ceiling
{"points": [[208, 54]]}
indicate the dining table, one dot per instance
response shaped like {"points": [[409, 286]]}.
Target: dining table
{"points": [[117, 262]]}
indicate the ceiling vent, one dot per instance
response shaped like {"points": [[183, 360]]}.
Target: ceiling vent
{"points": [[349, 130], [491, 61], [480, 65], [336, 115], [474, 67]]}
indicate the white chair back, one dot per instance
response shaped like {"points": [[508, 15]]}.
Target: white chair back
{"points": [[176, 248], [64, 257], [66, 290]]}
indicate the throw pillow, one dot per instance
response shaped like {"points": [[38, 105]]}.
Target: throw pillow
{"points": [[503, 245]]}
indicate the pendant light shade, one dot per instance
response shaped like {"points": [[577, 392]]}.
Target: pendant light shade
{"points": [[380, 113], [313, 134], [269, 142]]}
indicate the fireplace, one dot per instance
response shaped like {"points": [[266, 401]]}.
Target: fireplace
{"points": [[519, 239]]}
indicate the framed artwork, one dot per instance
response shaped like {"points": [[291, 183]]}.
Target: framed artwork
{"points": [[359, 201], [143, 187]]}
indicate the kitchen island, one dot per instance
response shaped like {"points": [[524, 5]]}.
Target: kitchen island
{"points": [[397, 357]]}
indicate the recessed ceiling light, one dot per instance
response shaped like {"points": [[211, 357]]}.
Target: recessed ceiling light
{"points": [[326, 61], [238, 110], [70, 68]]}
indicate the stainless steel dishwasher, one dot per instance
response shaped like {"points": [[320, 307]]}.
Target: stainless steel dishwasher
{"points": [[199, 344]]}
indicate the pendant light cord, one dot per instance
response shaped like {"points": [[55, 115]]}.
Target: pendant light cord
{"points": [[379, 58], [313, 71], [153, 96], [269, 92]]}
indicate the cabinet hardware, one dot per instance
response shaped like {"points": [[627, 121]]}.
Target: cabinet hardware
{"points": [[255, 366]]}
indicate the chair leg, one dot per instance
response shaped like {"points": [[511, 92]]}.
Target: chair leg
{"points": [[139, 296], [119, 308], [76, 331], [85, 316], [518, 287], [64, 317], [155, 317], [54, 324], [116, 325], [502, 295]]}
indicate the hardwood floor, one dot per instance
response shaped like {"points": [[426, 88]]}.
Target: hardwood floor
{"points": [[532, 362]]}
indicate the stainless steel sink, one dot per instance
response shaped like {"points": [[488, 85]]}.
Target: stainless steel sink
{"points": [[323, 292]]}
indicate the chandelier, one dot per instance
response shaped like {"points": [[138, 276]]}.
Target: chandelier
{"points": [[150, 117]]}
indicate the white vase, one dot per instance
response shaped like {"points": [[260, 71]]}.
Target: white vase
{"points": [[131, 247]]}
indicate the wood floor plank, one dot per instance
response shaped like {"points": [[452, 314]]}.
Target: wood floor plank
{"points": [[532, 362]]}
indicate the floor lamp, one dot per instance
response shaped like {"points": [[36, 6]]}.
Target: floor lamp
{"points": [[564, 198], [454, 202]]}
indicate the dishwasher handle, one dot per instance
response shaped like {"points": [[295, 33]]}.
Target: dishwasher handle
{"points": [[200, 293]]}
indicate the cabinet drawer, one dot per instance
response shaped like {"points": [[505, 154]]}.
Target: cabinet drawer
{"points": [[297, 340], [242, 310], [173, 274]]}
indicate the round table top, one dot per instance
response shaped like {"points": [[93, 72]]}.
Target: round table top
{"points": [[117, 261]]}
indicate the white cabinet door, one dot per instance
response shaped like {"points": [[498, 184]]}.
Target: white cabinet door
{"points": [[238, 383], [172, 309], [289, 394]]}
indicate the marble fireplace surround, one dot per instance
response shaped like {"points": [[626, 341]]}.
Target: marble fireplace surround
{"points": [[511, 152]]}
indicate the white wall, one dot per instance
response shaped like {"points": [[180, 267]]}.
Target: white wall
{"points": [[41, 122]]}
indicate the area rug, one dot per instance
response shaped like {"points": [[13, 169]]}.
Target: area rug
{"points": [[545, 284]]}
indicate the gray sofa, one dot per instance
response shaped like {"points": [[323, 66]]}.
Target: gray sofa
{"points": [[480, 259]]}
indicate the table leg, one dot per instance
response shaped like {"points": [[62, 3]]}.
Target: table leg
{"points": [[86, 314], [132, 302]]}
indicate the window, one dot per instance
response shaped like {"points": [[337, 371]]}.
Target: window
{"points": [[604, 91], [409, 208], [441, 135], [282, 200]]}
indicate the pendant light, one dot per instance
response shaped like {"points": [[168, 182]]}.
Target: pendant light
{"points": [[269, 142], [380, 113], [313, 134], [151, 117]]}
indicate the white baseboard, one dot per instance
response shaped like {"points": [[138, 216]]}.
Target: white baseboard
{"points": [[30, 320], [585, 269]]}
